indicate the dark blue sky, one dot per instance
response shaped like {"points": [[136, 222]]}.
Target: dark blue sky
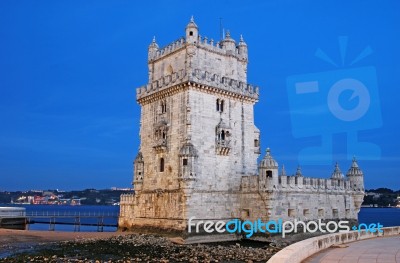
{"points": [[69, 69]]}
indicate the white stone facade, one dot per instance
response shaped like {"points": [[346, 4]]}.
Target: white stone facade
{"points": [[199, 147]]}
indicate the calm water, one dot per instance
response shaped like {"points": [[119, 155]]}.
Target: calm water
{"points": [[384, 216], [82, 210]]}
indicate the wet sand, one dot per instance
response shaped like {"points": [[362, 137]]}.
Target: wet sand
{"points": [[12, 241], [10, 237]]}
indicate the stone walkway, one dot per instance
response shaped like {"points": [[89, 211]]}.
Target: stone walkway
{"points": [[381, 249]]}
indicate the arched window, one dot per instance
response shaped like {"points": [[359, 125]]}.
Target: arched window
{"points": [[269, 173], [162, 165], [220, 105], [163, 107], [223, 135]]}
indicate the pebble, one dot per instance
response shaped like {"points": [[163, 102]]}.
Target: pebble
{"points": [[147, 248]]}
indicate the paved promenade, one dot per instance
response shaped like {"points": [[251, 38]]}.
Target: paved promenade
{"points": [[381, 249]]}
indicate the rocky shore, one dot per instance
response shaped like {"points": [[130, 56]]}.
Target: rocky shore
{"points": [[143, 248]]}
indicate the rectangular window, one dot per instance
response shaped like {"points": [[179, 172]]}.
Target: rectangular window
{"points": [[162, 165], [306, 212], [184, 162], [321, 213], [245, 213], [335, 213], [291, 213], [347, 213], [256, 143]]}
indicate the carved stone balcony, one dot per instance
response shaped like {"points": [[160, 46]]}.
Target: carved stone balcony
{"points": [[160, 145], [222, 147]]}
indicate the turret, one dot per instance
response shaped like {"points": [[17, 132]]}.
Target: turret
{"points": [[153, 48], [242, 48], [187, 162], [298, 172], [355, 177], [356, 180], [192, 32], [268, 168], [337, 174], [228, 44], [138, 171]]}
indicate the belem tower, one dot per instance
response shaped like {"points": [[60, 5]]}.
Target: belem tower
{"points": [[199, 148]]}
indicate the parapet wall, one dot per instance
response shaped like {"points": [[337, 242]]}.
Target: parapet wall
{"points": [[200, 77], [170, 48], [127, 198], [293, 183], [202, 42], [301, 250]]}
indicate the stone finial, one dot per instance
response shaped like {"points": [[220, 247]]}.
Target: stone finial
{"points": [[268, 151], [228, 34], [298, 172], [337, 174], [283, 171], [153, 43], [191, 23], [354, 163], [241, 41]]}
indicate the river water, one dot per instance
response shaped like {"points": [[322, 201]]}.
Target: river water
{"points": [[384, 216]]}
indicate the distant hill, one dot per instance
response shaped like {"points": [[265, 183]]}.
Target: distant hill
{"points": [[85, 197]]}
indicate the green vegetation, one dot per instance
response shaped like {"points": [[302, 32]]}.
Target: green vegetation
{"points": [[381, 197]]}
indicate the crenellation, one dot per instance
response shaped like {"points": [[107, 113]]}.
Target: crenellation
{"points": [[201, 77]]}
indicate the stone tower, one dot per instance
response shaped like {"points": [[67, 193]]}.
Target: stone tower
{"points": [[199, 146], [197, 134]]}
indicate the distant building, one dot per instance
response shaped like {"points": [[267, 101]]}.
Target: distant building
{"points": [[374, 195], [121, 189], [199, 148]]}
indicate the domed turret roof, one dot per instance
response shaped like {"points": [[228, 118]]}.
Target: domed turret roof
{"points": [[241, 41], [298, 172], [191, 24], [228, 37], [337, 174], [188, 150], [268, 161], [139, 158], [223, 125], [161, 123], [153, 43], [354, 169]]}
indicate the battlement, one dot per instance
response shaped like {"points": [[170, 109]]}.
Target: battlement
{"points": [[200, 77], [293, 183], [202, 42], [168, 49], [127, 198]]}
